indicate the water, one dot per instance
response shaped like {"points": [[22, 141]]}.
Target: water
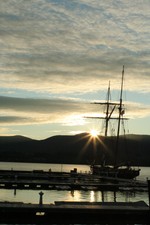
{"points": [[50, 196], [43, 166]]}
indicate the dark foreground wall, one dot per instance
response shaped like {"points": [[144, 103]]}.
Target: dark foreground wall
{"points": [[75, 213]]}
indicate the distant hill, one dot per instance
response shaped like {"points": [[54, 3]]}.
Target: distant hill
{"points": [[76, 149]]}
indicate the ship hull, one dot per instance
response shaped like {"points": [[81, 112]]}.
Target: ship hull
{"points": [[122, 173]]}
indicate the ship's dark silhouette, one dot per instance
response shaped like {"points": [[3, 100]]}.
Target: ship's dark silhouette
{"points": [[118, 170]]}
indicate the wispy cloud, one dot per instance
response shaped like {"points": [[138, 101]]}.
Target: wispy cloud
{"points": [[58, 49], [34, 111], [71, 46]]}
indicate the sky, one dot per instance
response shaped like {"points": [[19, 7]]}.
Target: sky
{"points": [[58, 56]]}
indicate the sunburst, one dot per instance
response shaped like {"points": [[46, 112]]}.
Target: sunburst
{"points": [[94, 140], [94, 133]]}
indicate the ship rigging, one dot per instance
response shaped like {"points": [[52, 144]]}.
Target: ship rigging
{"points": [[125, 172]]}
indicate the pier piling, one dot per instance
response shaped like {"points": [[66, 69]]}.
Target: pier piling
{"points": [[41, 198], [148, 181]]}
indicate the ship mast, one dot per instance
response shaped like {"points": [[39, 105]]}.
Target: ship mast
{"points": [[121, 112], [108, 113]]}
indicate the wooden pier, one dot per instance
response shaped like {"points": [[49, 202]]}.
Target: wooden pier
{"points": [[75, 213], [40, 180]]}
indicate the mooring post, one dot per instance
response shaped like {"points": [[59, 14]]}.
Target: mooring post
{"points": [[41, 198], [148, 181]]}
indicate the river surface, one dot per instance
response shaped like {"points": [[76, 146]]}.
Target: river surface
{"points": [[50, 196]]}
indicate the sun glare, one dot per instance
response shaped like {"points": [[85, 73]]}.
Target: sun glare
{"points": [[94, 133]]}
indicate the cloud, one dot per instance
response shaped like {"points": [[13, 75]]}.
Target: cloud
{"points": [[56, 56], [21, 111], [73, 46], [25, 111]]}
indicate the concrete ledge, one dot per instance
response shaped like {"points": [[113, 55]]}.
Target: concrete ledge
{"points": [[75, 212]]}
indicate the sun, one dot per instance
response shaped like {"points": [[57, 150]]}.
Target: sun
{"points": [[94, 133]]}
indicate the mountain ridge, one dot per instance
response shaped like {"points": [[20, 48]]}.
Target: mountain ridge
{"points": [[75, 149]]}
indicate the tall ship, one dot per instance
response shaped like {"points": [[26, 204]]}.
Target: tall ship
{"points": [[124, 171]]}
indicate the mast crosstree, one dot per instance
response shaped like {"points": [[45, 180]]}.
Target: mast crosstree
{"points": [[109, 112]]}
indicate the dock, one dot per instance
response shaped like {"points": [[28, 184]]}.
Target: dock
{"points": [[65, 212], [75, 213], [42, 180]]}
